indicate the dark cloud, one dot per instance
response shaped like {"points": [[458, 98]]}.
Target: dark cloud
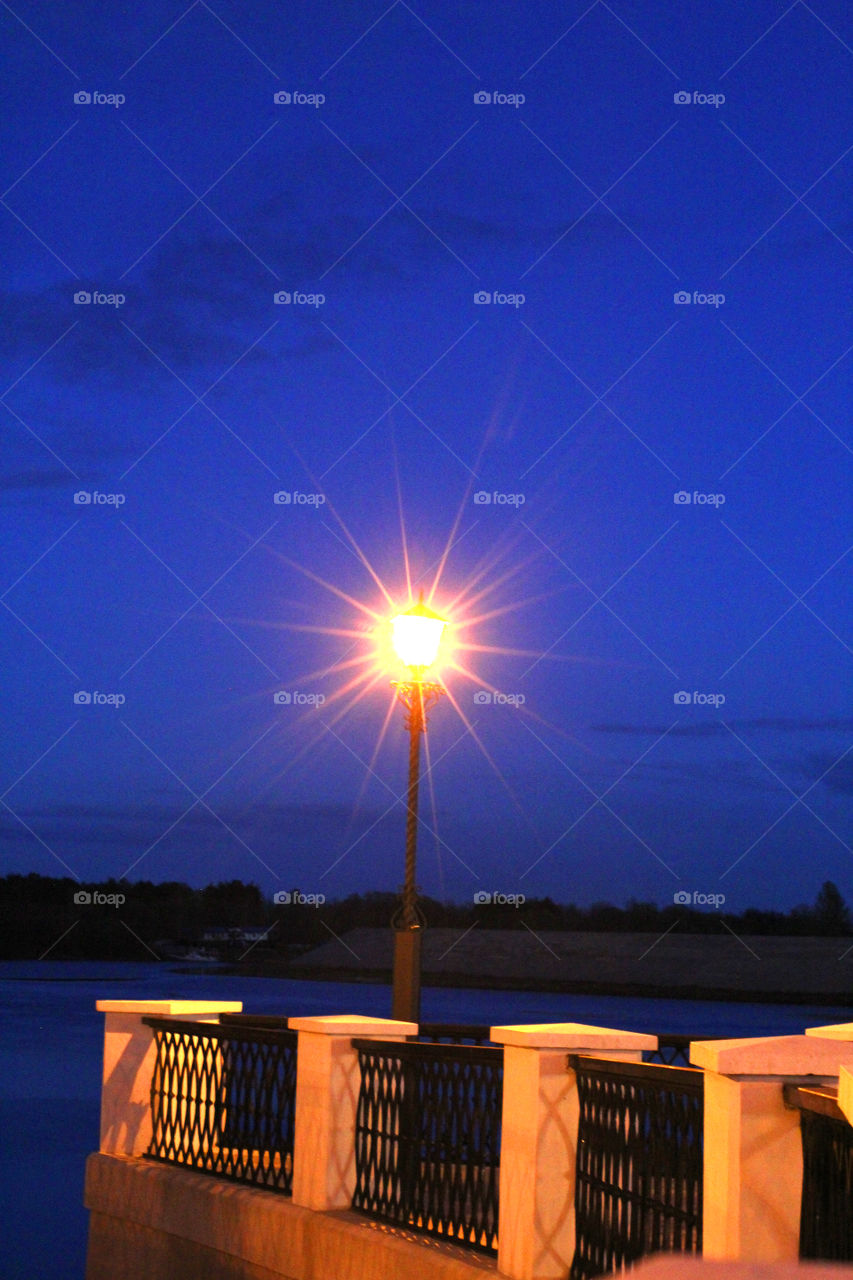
{"points": [[705, 729], [716, 729], [837, 777], [89, 825], [791, 725], [36, 479]]}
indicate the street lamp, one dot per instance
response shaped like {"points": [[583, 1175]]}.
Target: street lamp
{"points": [[416, 636]]}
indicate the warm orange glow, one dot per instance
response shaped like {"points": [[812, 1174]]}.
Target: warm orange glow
{"points": [[415, 645], [416, 636]]}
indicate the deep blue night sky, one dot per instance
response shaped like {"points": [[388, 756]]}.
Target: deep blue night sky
{"points": [[591, 403]]}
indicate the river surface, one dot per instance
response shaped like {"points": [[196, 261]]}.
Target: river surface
{"points": [[51, 1045]]}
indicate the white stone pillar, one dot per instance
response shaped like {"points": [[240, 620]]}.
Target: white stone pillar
{"points": [[839, 1031], [327, 1085], [539, 1140], [129, 1057], [845, 1093], [753, 1164]]}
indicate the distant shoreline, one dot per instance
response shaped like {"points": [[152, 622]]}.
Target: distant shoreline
{"points": [[721, 968], [483, 983], [768, 969], [467, 981]]}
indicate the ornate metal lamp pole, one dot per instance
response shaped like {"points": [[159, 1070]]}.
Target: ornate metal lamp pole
{"points": [[416, 636]]}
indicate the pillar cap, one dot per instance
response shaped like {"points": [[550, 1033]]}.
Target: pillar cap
{"points": [[353, 1024], [167, 1007], [835, 1031], [772, 1056], [570, 1035]]}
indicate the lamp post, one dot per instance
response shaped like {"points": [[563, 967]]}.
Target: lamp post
{"points": [[415, 635]]}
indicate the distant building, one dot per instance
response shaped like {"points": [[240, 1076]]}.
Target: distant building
{"points": [[233, 935]]}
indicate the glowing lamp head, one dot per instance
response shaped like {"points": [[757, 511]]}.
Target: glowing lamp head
{"points": [[416, 635]]}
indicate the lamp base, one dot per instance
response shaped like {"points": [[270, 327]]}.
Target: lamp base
{"points": [[406, 998]]}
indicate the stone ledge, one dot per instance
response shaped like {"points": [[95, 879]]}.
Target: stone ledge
{"points": [[169, 1008], [834, 1031], [773, 1056], [352, 1024], [571, 1035], [253, 1232]]}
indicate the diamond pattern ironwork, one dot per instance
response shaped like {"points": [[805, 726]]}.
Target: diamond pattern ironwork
{"points": [[639, 1164], [223, 1100], [826, 1216], [427, 1142]]}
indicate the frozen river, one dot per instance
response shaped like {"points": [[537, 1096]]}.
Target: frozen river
{"points": [[52, 1040]]}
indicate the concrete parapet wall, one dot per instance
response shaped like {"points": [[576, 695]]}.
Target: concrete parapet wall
{"points": [[155, 1221], [151, 1221]]}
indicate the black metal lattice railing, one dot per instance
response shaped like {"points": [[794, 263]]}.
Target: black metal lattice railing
{"points": [[427, 1141], [638, 1184], [453, 1033], [672, 1051], [223, 1099], [826, 1213]]}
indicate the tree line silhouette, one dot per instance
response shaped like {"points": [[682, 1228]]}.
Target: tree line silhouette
{"points": [[40, 918]]}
